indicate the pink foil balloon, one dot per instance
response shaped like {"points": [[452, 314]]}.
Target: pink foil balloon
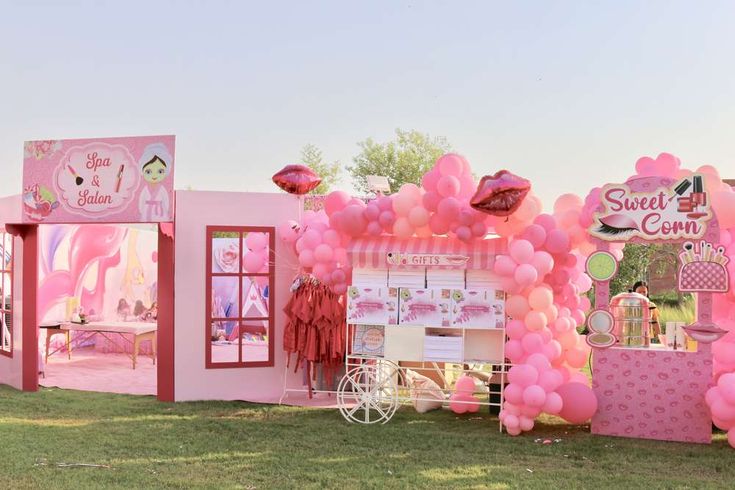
{"points": [[296, 179], [500, 194]]}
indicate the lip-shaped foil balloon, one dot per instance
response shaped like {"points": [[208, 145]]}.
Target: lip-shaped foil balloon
{"points": [[296, 179], [705, 333], [500, 194]]}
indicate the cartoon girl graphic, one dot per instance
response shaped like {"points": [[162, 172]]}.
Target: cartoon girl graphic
{"points": [[155, 165]]}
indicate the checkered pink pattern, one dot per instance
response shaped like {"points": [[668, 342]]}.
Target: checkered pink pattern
{"points": [[703, 276]]}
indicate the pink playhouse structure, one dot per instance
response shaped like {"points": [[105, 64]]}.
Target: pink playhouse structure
{"points": [[111, 280]]}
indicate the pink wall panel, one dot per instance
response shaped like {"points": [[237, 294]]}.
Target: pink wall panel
{"points": [[194, 211], [11, 371]]}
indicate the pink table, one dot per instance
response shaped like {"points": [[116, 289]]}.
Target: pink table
{"points": [[652, 393]]}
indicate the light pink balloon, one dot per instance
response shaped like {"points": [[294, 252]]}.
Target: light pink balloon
{"points": [[340, 288], [335, 201], [306, 258], [521, 251], [353, 222], [525, 275], [402, 228], [540, 298], [448, 186], [403, 203], [566, 202], [338, 275], [465, 384], [450, 164], [540, 362], [525, 423], [323, 253], [424, 232], [386, 219], [340, 256], [312, 238], [514, 350], [504, 265], [512, 423], [523, 374], [418, 217], [289, 231], [253, 262], [331, 238], [534, 396], [374, 229], [514, 393], [535, 234], [550, 380], [430, 178], [553, 404], [256, 241], [546, 221]]}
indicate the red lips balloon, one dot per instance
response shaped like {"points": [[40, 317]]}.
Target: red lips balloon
{"points": [[500, 194], [296, 179]]}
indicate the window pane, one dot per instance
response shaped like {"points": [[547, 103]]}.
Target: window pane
{"points": [[6, 247], [254, 340], [225, 302], [224, 343], [7, 290], [255, 297], [226, 252], [5, 325], [256, 252]]}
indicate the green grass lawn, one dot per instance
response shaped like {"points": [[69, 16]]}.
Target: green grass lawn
{"points": [[147, 444]]}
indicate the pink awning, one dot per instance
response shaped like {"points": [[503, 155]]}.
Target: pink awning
{"points": [[372, 252]]}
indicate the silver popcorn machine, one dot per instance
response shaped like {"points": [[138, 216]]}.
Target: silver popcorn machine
{"points": [[632, 316]]}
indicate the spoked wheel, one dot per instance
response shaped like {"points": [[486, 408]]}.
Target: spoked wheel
{"points": [[368, 394]]}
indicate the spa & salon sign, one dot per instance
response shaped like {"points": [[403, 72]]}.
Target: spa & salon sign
{"points": [[676, 212], [122, 180]]}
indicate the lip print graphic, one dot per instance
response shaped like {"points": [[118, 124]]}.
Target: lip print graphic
{"points": [[705, 333], [617, 225]]}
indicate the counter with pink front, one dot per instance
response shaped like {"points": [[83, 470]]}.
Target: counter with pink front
{"points": [[651, 393]]}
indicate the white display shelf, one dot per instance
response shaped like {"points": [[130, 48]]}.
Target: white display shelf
{"points": [[436, 327]]}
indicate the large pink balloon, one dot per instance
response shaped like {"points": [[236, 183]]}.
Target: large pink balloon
{"points": [[418, 217], [254, 261], [579, 402], [335, 201], [450, 164]]}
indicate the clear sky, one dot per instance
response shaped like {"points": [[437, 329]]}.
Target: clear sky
{"points": [[568, 94]]}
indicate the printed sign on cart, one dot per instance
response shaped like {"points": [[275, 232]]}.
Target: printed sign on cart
{"points": [[426, 260], [119, 180], [677, 212]]}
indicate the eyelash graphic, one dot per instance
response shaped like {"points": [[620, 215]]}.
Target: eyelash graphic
{"points": [[616, 225]]}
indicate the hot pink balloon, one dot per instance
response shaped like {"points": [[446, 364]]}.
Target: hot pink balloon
{"points": [[296, 179], [500, 194], [579, 402]]}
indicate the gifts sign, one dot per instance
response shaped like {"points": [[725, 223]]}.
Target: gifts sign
{"points": [[110, 180], [666, 213]]}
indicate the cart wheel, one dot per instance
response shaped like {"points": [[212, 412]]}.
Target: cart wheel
{"points": [[368, 394]]}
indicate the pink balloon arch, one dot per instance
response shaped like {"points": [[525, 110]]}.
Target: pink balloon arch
{"points": [[543, 273]]}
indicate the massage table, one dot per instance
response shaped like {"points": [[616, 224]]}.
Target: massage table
{"points": [[140, 331]]}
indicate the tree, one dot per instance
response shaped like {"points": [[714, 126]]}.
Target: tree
{"points": [[311, 156], [404, 160]]}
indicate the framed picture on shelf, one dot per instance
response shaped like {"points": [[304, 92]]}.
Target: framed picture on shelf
{"points": [[369, 340]]}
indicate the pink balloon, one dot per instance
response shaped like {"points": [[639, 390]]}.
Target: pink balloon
{"points": [[253, 262], [450, 164], [385, 203], [340, 256], [479, 229], [557, 241], [457, 405], [504, 266], [579, 402], [550, 380], [514, 350], [523, 374], [534, 396], [340, 288], [540, 362], [535, 320], [514, 393], [439, 225], [331, 238], [448, 208], [512, 423], [424, 232], [306, 258], [525, 275], [323, 253], [335, 201], [431, 200], [338, 275], [515, 329], [312, 238], [566, 202], [546, 221], [464, 234], [525, 423], [540, 298], [372, 211], [553, 404], [353, 222], [418, 217], [403, 203], [517, 306], [430, 178], [289, 231], [256, 241], [731, 437], [374, 229], [386, 219], [402, 228], [448, 186], [532, 342], [465, 384], [535, 234], [521, 251]]}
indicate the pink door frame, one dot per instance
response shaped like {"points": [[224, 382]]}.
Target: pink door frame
{"points": [[165, 333]]}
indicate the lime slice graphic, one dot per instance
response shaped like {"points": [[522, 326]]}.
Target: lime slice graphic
{"points": [[601, 266]]}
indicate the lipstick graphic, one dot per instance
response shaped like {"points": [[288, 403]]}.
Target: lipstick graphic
{"points": [[119, 178], [681, 188]]}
